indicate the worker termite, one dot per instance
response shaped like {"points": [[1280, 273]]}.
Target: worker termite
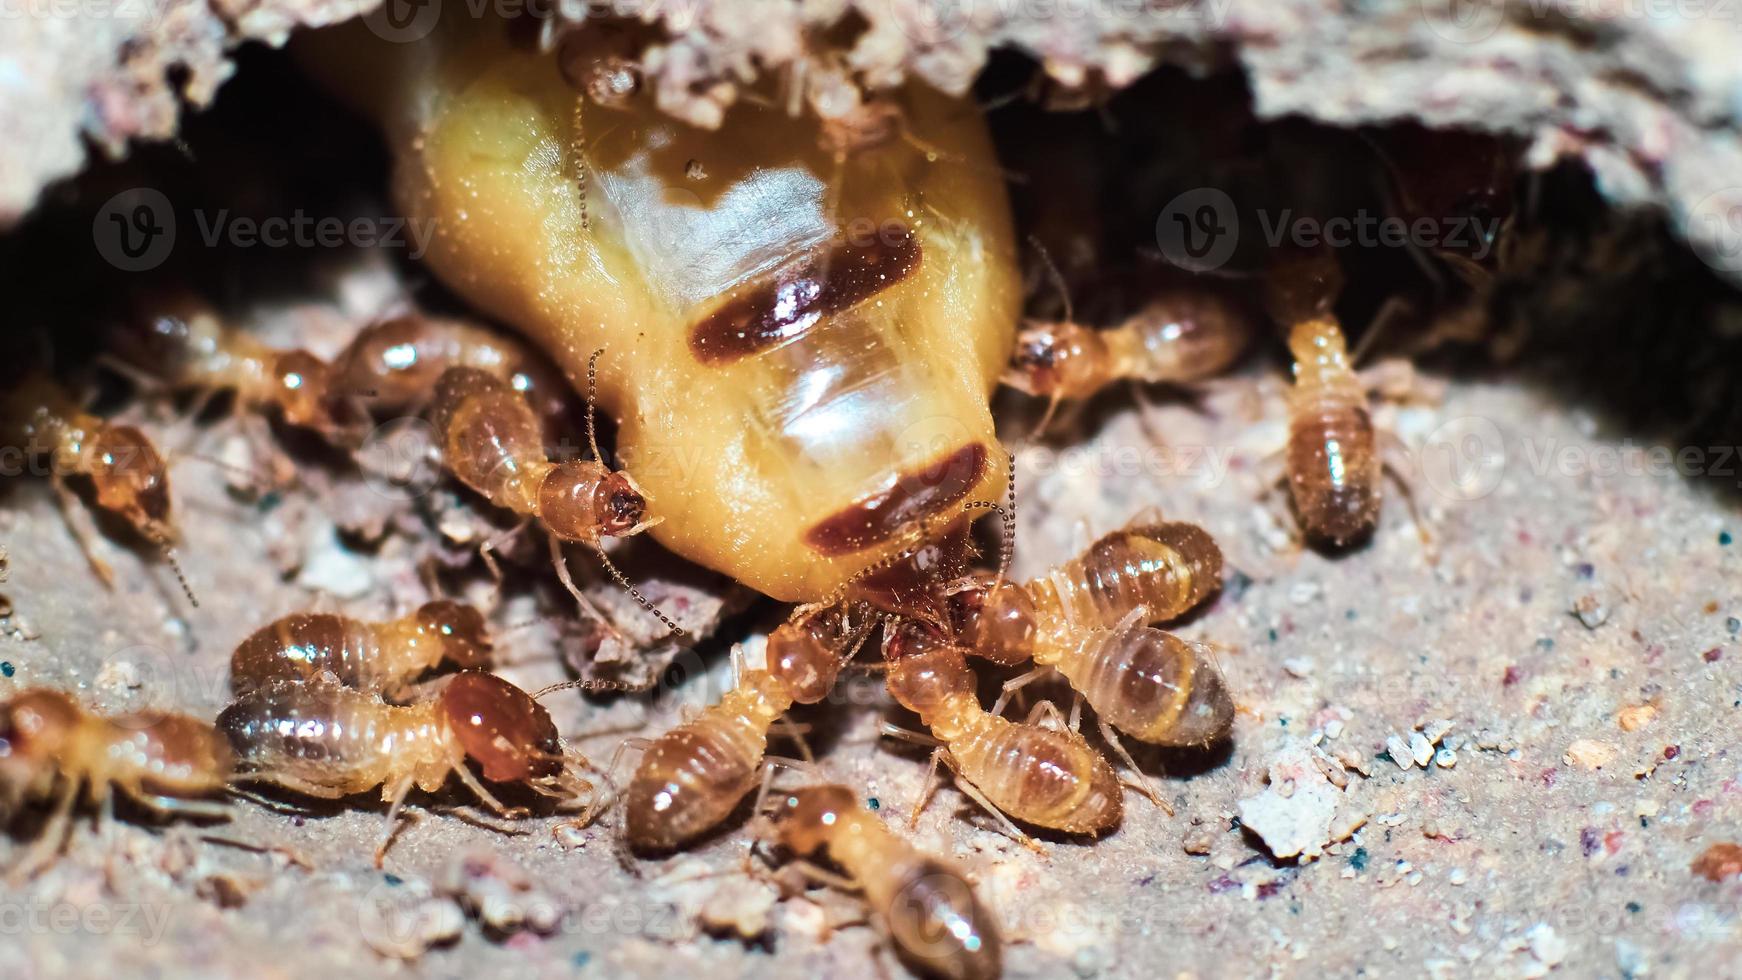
{"points": [[1048, 777], [327, 740], [52, 747], [1086, 619], [1333, 461], [1185, 332], [692, 777], [394, 364], [491, 441], [926, 905], [375, 657], [795, 397], [179, 341], [38, 417]]}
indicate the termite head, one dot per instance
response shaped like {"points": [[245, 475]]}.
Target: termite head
{"points": [[1302, 284], [911, 583], [166, 331], [502, 728], [131, 480], [303, 385], [805, 657], [997, 618], [805, 818], [608, 78], [580, 502], [459, 629], [1060, 358], [35, 729], [925, 669]]}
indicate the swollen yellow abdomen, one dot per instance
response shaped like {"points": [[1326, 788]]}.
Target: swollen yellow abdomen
{"points": [[799, 350]]}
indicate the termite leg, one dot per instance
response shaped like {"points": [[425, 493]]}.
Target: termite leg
{"points": [[1046, 711], [1140, 780], [823, 876], [1015, 684], [560, 561], [927, 788], [487, 551], [170, 806], [397, 794], [53, 836], [795, 731], [497, 806], [973, 793], [69, 504], [1394, 447]]}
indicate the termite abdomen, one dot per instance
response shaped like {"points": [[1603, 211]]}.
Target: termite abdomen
{"points": [[937, 923], [364, 655], [1152, 685], [691, 778], [1334, 467], [1167, 568]]}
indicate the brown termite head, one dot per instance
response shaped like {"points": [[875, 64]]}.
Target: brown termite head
{"points": [[131, 480], [167, 332], [580, 501], [806, 656], [36, 728], [303, 390], [805, 819], [603, 72], [1301, 285], [911, 583], [997, 618], [459, 629], [501, 727], [1059, 358], [925, 669]]}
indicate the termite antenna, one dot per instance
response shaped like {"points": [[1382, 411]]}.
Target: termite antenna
{"points": [[580, 151], [676, 630], [1053, 273], [592, 393], [1052, 407], [583, 684], [180, 576], [1006, 514]]}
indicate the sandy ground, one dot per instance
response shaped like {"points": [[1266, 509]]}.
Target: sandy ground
{"points": [[1577, 765]]}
